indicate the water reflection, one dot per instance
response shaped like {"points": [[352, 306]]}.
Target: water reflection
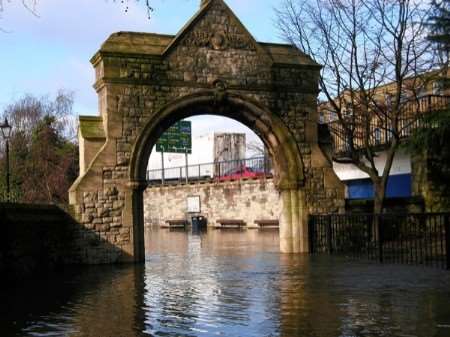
{"points": [[230, 284]]}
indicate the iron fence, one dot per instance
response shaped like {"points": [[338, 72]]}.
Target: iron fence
{"points": [[421, 239], [258, 167], [379, 131]]}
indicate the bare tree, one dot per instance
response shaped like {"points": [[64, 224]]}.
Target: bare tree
{"points": [[32, 5], [364, 45], [256, 148], [147, 4], [28, 4]]}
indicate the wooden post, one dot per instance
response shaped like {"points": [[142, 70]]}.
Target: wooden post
{"points": [[187, 164], [311, 234], [8, 189], [162, 167], [329, 234], [447, 239]]}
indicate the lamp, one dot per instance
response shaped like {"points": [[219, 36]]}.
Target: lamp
{"points": [[6, 133], [6, 129]]}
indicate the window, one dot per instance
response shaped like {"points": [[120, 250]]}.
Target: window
{"points": [[438, 87], [377, 135]]}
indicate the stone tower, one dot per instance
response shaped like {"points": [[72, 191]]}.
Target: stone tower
{"points": [[229, 150]]}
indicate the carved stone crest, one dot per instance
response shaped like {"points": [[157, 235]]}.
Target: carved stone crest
{"points": [[220, 91], [218, 41], [197, 39]]}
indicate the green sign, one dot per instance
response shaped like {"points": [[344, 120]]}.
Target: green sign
{"points": [[177, 139]]}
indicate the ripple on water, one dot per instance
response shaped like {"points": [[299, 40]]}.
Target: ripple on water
{"points": [[232, 284]]}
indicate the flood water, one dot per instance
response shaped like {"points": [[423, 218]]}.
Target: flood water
{"points": [[231, 284]]}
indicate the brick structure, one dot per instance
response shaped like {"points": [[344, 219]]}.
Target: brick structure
{"points": [[146, 82]]}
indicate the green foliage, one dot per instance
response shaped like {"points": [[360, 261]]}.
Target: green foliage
{"points": [[440, 24], [43, 155], [433, 141], [434, 135]]}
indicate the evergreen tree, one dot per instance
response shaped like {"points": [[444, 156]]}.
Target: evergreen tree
{"points": [[43, 156], [440, 25]]}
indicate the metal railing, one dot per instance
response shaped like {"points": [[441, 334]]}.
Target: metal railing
{"points": [[420, 239], [379, 131], [252, 168]]}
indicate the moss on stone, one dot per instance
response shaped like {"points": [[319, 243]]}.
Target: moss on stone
{"points": [[91, 127]]}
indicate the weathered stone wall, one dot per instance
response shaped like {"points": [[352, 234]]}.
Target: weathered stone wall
{"points": [[430, 181], [247, 200], [101, 218]]}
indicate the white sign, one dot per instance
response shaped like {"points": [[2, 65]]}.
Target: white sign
{"points": [[193, 204]]}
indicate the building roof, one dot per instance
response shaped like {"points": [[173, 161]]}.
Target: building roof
{"points": [[155, 44], [288, 54], [159, 44], [138, 43]]}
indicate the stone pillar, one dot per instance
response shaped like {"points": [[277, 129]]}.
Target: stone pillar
{"points": [[138, 225], [300, 226], [286, 237], [293, 222], [133, 218]]}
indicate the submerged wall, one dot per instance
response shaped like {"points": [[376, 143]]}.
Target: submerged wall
{"points": [[34, 239], [246, 200]]}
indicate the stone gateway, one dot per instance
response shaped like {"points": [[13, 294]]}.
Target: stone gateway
{"points": [[146, 82]]}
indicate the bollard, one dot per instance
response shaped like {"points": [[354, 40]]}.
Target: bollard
{"points": [[311, 234]]}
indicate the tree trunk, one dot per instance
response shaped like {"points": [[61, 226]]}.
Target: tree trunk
{"points": [[379, 194], [379, 188]]}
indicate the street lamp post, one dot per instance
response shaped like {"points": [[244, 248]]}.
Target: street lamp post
{"points": [[6, 133]]}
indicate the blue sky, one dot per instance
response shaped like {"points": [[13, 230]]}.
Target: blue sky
{"points": [[40, 55]]}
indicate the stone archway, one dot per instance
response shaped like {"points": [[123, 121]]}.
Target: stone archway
{"points": [[146, 81], [288, 165]]}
